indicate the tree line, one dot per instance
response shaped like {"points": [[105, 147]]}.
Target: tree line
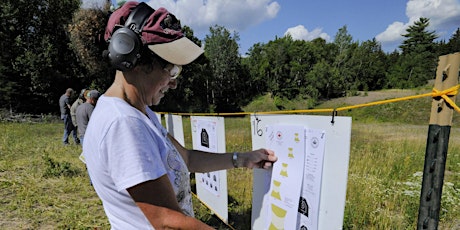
{"points": [[39, 61]]}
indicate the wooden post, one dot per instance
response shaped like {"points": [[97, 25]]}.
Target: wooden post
{"points": [[437, 143]]}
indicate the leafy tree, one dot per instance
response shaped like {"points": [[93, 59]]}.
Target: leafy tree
{"points": [[280, 60], [193, 87], [9, 82], [295, 69], [304, 57], [324, 80], [86, 33], [367, 65], [257, 65], [227, 82], [301, 60], [342, 62], [278, 71], [38, 64]]}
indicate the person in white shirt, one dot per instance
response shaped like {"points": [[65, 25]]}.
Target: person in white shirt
{"points": [[138, 170]]}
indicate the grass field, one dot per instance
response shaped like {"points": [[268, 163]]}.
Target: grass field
{"points": [[44, 185]]}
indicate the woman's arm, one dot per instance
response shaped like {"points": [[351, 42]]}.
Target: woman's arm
{"points": [[199, 161], [157, 201]]}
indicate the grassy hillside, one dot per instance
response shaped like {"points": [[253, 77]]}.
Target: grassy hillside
{"points": [[407, 111]]}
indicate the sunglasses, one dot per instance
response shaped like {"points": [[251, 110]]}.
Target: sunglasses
{"points": [[174, 72]]}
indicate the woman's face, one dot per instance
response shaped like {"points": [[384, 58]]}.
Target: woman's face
{"points": [[155, 84]]}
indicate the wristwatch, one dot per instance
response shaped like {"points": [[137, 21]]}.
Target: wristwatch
{"points": [[235, 159]]}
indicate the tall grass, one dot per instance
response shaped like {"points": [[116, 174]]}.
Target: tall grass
{"points": [[385, 174], [43, 184]]}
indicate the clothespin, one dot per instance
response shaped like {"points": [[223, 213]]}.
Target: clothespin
{"points": [[334, 113]]}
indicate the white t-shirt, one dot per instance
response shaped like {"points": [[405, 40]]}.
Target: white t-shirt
{"points": [[123, 148]]}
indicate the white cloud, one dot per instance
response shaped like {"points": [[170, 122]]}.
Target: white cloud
{"points": [[393, 32], [235, 15], [301, 33], [439, 12], [443, 15], [93, 4]]}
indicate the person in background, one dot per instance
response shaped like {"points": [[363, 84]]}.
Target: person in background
{"points": [[138, 170], [84, 112], [73, 109], [65, 105]]}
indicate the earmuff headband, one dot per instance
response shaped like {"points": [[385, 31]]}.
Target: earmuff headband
{"points": [[125, 45], [138, 17]]}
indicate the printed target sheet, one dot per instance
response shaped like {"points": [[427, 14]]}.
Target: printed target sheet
{"points": [[207, 132], [288, 142], [323, 172], [208, 135], [311, 184]]}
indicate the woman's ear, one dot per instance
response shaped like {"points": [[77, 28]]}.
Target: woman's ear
{"points": [[173, 84]]}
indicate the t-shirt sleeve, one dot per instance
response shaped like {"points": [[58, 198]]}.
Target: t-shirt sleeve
{"points": [[67, 102], [134, 156]]}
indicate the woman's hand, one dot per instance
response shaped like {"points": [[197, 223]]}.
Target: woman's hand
{"points": [[261, 158]]}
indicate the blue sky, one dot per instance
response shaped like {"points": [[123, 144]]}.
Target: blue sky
{"points": [[259, 21]]}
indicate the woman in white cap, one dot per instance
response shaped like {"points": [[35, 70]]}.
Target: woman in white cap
{"points": [[141, 173]]}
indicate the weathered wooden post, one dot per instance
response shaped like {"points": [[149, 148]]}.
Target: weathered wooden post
{"points": [[437, 143]]}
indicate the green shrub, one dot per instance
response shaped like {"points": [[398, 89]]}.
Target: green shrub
{"points": [[54, 168]]}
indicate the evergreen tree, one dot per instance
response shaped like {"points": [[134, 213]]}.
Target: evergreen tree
{"points": [[418, 38], [418, 61], [454, 42], [452, 46]]}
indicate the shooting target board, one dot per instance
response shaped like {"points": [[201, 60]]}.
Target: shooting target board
{"points": [[324, 142], [208, 135], [175, 127]]}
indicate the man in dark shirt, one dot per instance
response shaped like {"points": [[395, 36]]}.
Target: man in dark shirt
{"points": [[64, 105], [84, 112]]}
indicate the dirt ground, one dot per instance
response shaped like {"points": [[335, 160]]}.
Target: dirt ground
{"points": [[366, 97]]}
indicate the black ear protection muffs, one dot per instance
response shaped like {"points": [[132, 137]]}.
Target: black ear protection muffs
{"points": [[125, 45]]}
